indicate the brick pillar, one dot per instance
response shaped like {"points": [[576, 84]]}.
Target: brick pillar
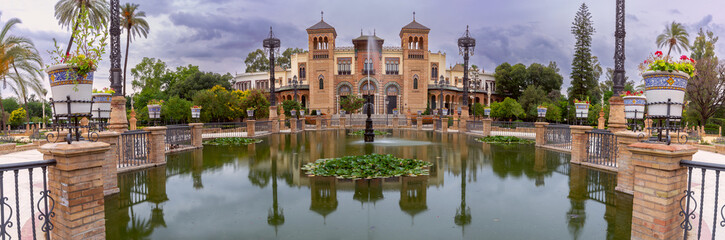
{"points": [[395, 122], [329, 121], [76, 185], [579, 143], [302, 127], [444, 125], [617, 123], [659, 184], [625, 169], [600, 125], [318, 123], [196, 137], [157, 151], [292, 125], [541, 133], [118, 121], [419, 120], [250, 128], [487, 126], [110, 173], [274, 124], [462, 127], [455, 122], [132, 120]]}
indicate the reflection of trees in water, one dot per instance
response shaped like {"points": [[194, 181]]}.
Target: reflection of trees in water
{"points": [[137, 188]]}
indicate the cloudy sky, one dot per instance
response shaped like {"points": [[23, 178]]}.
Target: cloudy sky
{"points": [[218, 34]]}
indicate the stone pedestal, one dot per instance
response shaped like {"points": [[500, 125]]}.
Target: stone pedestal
{"points": [[273, 112], [110, 171], [463, 124], [302, 127], [132, 120], [625, 169], [601, 120], [579, 143], [84, 126], [617, 123], [395, 122], [342, 123], [196, 137], [250, 128], [157, 146], [419, 120], [274, 125], [659, 184], [409, 121], [318, 123], [464, 112], [76, 185], [293, 125], [487, 126], [455, 122], [118, 122], [444, 125], [541, 133]]}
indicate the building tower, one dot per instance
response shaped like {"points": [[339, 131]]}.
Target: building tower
{"points": [[414, 42], [320, 76]]}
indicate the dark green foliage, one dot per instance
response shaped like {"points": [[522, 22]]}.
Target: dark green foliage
{"points": [[186, 88], [233, 141], [10, 104], [289, 105], [218, 105], [508, 109], [286, 59], [478, 110], [176, 109], [512, 80], [583, 81], [367, 166], [504, 139], [256, 99], [531, 98], [257, 61], [362, 132], [352, 104]]}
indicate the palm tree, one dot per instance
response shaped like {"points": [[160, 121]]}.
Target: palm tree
{"points": [[21, 63], [675, 36], [135, 25], [68, 11]]}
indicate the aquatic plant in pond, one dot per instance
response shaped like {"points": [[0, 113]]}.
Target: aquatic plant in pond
{"points": [[233, 141], [504, 139], [362, 132], [367, 166]]}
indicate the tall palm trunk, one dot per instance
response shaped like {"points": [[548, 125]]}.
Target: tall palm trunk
{"points": [[125, 61], [2, 112], [72, 37]]}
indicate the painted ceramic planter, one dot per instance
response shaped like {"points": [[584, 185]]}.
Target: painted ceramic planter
{"points": [[487, 111], [302, 113], [154, 111], [634, 106], [101, 105], [293, 112], [582, 110], [445, 111], [661, 86], [195, 112], [541, 111], [395, 112], [250, 113], [62, 85]]}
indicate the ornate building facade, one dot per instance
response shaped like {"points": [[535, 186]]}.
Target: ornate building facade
{"points": [[395, 77]]}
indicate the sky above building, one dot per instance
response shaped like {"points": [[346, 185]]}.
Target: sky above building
{"points": [[218, 34]]}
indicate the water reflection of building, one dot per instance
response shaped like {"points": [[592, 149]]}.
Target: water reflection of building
{"points": [[413, 195], [323, 194]]}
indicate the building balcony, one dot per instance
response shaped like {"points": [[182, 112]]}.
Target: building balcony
{"points": [[368, 71]]}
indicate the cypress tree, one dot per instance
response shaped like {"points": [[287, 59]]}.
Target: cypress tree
{"points": [[583, 81]]}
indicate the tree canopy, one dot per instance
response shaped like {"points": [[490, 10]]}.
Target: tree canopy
{"points": [[583, 75]]}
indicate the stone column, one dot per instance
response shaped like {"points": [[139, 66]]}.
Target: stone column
{"points": [[419, 120], [292, 125], [601, 119], [462, 125], [76, 184], [395, 122], [132, 120], [250, 127], [318, 123], [541, 133], [617, 123], [342, 122], [302, 127], [659, 184], [444, 125], [157, 151], [487, 126], [625, 172], [118, 121], [579, 143], [196, 137], [110, 163]]}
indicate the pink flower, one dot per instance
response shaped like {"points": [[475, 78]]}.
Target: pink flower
{"points": [[658, 53], [683, 57], [692, 60]]}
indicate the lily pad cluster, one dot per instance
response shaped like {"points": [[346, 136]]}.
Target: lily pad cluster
{"points": [[233, 141], [362, 132], [504, 139], [367, 166]]}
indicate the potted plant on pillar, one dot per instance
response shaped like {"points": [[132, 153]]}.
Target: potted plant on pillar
{"points": [[71, 74], [541, 111], [195, 112], [634, 103], [102, 103], [665, 83], [395, 111], [582, 108], [154, 107], [250, 112], [487, 111]]}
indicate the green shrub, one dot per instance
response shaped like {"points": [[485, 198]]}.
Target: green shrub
{"points": [[367, 166]]}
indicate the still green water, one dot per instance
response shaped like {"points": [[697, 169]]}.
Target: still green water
{"points": [[474, 191]]}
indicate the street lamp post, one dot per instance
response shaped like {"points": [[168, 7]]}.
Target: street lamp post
{"points": [[441, 84], [272, 44], [466, 47]]}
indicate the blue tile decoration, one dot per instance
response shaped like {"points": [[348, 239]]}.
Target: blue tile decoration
{"points": [[65, 77], [102, 99], [665, 81], [635, 102]]}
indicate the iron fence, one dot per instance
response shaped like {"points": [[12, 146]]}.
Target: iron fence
{"points": [[558, 135], [225, 129], [134, 148], [512, 125], [323, 123], [178, 136], [15, 217], [300, 124], [602, 148], [474, 126], [695, 211], [262, 126], [600, 186], [438, 123]]}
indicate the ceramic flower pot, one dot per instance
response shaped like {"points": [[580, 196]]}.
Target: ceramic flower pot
{"points": [[195, 112], [101, 105], [634, 106], [250, 113], [293, 112], [445, 111], [154, 111], [395, 112], [541, 111], [661, 86], [582, 110], [487, 111], [62, 85]]}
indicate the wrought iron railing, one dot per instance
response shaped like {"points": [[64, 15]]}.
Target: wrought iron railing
{"points": [[513, 125], [262, 126], [178, 136], [19, 207], [225, 129], [134, 148], [602, 148], [695, 207], [438, 124], [474, 126], [323, 123], [300, 124], [601, 185], [558, 135]]}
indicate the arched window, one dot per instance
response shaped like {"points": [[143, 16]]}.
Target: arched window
{"points": [[322, 83], [410, 42], [415, 82], [325, 43], [420, 45], [344, 90], [434, 72], [314, 43]]}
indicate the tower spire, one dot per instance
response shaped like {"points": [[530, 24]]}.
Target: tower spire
{"points": [[413, 15], [322, 15]]}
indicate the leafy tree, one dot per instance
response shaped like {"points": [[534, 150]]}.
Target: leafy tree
{"points": [[285, 60], [508, 109], [352, 104], [176, 109], [583, 74], [182, 72], [17, 117], [553, 112], [254, 98], [10, 104], [135, 24], [35, 109], [478, 109], [257, 61], [186, 88], [219, 104], [531, 98], [705, 90], [509, 79], [288, 105], [542, 76], [704, 45], [147, 74], [68, 11], [675, 36]]}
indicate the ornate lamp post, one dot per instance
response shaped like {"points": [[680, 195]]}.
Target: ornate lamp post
{"points": [[441, 84], [294, 85], [272, 44], [466, 47], [617, 121], [118, 121]]}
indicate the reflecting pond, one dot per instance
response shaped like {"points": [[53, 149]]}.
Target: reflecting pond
{"points": [[474, 190]]}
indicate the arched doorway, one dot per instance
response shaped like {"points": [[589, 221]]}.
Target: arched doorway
{"points": [[343, 92], [368, 92], [391, 94], [304, 101]]}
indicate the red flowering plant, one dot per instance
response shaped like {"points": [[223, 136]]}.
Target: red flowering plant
{"points": [[659, 62], [90, 45], [632, 94], [104, 90], [582, 101], [196, 107]]}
